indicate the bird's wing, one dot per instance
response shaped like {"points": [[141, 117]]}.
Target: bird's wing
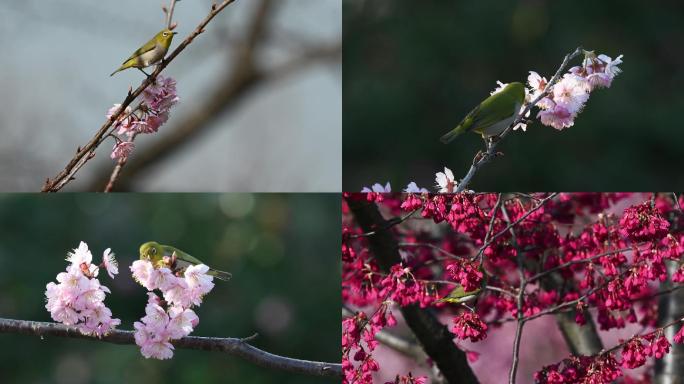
{"points": [[150, 45], [168, 250], [467, 123], [487, 115]]}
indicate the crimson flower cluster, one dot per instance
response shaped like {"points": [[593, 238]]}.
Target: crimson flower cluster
{"points": [[610, 250]]}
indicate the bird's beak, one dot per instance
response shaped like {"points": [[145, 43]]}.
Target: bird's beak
{"points": [[175, 33]]}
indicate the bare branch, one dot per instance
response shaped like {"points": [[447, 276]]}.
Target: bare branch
{"points": [[519, 300], [169, 13], [231, 346]]}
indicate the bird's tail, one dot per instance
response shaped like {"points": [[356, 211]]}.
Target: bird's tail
{"points": [[221, 275], [118, 70], [454, 133]]}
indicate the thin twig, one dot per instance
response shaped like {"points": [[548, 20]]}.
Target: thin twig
{"points": [[520, 219], [232, 346], [486, 241], [169, 13], [388, 224], [519, 300], [87, 152], [491, 149], [573, 262], [115, 175]]}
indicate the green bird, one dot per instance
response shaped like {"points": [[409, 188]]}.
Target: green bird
{"points": [[493, 115], [175, 259], [149, 54], [460, 296]]}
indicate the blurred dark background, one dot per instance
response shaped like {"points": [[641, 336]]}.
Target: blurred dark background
{"points": [[282, 250], [413, 70]]}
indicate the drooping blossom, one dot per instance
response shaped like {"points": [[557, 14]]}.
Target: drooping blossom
{"points": [[78, 297], [468, 325], [152, 112], [122, 150], [171, 318]]}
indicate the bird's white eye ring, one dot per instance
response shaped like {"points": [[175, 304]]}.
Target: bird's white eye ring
{"points": [[166, 34], [153, 251]]}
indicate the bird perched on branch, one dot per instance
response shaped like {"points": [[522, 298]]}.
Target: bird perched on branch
{"points": [[166, 256], [493, 115], [150, 53]]}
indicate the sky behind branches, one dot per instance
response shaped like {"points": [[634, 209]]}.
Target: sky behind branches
{"points": [[56, 90]]}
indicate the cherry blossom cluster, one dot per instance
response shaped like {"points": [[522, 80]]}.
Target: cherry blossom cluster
{"points": [[147, 117], [78, 297], [170, 318], [609, 249]]}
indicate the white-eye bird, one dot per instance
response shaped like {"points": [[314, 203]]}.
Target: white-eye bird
{"points": [[150, 53], [174, 259], [493, 115]]}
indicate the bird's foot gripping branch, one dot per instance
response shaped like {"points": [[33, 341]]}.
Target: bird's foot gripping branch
{"points": [[558, 100]]}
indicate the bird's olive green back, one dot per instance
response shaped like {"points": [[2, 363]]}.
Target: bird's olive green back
{"points": [[496, 107]]}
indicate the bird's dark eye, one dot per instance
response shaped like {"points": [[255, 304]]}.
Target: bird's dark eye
{"points": [[153, 251], [166, 34]]}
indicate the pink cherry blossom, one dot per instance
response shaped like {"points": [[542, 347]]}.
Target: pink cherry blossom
{"points": [[147, 117], [109, 262], [171, 318], [78, 298], [558, 117], [122, 150], [144, 273]]}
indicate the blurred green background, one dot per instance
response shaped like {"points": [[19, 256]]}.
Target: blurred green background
{"points": [[283, 251], [414, 69]]}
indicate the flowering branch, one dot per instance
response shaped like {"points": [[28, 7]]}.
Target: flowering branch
{"points": [[491, 152], [87, 152], [232, 346], [559, 256], [244, 74], [430, 332]]}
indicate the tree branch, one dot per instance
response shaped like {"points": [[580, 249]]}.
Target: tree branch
{"points": [[231, 346], [519, 300], [436, 340], [87, 152], [491, 149]]}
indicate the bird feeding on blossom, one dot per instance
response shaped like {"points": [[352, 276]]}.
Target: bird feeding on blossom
{"points": [[166, 256]]}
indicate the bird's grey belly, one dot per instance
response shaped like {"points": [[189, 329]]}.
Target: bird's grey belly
{"points": [[498, 128], [151, 57]]}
